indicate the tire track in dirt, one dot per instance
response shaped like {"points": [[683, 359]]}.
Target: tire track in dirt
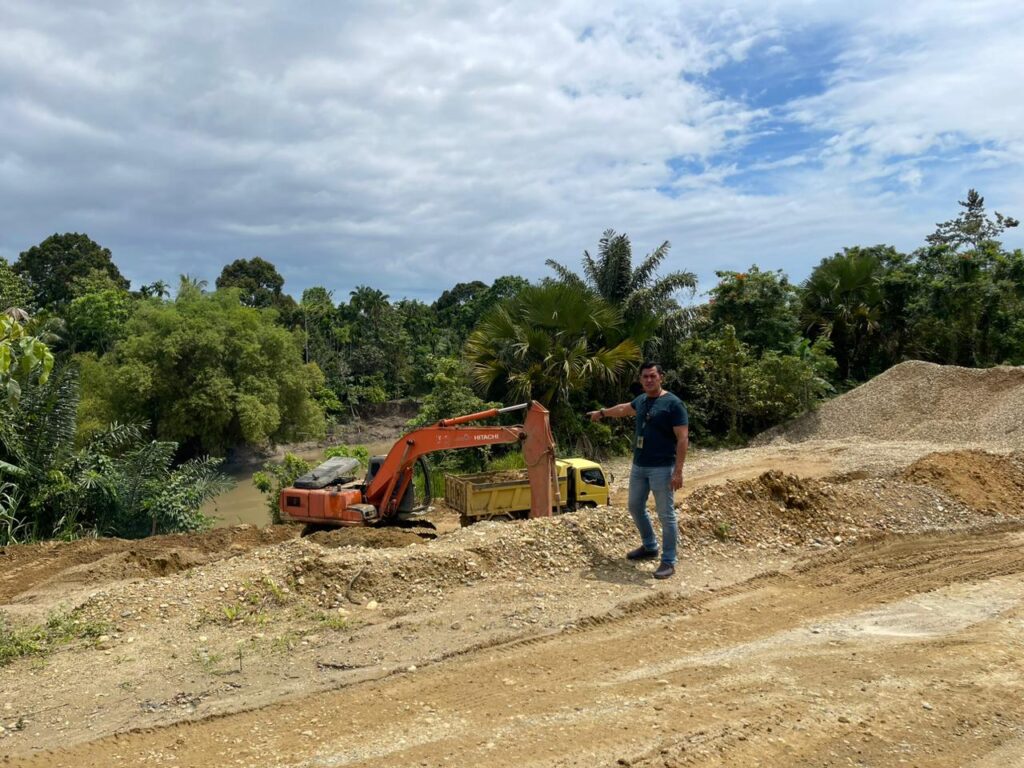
{"points": [[681, 678]]}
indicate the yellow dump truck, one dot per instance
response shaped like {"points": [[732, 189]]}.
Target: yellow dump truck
{"points": [[581, 483]]}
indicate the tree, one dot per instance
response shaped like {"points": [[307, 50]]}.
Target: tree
{"points": [[760, 306], [645, 300], [379, 350], [14, 291], [325, 335], [211, 374], [96, 320], [190, 287], [319, 321], [258, 280], [550, 343], [451, 394], [732, 392], [967, 307], [420, 324], [972, 226], [51, 267], [842, 301], [157, 290], [458, 310], [117, 484]]}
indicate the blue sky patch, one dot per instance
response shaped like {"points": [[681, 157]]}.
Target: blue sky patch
{"points": [[776, 71]]}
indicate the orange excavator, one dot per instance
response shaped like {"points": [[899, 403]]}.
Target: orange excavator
{"points": [[331, 496]]}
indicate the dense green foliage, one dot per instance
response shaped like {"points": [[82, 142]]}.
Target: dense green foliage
{"points": [[450, 394], [209, 371], [552, 343], [14, 291], [51, 267], [118, 483], [22, 358], [760, 306]]}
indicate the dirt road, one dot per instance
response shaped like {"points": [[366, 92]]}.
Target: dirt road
{"points": [[907, 651]]}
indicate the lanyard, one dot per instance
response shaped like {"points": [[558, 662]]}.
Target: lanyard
{"points": [[646, 417]]}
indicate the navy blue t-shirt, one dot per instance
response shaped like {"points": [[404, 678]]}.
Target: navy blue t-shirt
{"points": [[655, 442]]}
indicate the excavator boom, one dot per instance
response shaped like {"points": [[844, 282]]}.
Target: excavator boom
{"points": [[380, 499], [538, 447]]}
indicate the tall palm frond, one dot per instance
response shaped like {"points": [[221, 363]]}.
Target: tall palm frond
{"points": [[646, 302], [548, 343], [47, 415], [565, 274]]}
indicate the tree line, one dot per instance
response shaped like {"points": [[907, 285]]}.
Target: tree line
{"points": [[113, 399]]}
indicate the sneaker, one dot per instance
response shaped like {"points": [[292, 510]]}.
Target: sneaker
{"points": [[642, 553], [664, 571]]}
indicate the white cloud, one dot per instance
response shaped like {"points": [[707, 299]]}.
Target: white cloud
{"points": [[454, 141]]}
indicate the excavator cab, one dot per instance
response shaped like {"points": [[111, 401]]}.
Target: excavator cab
{"points": [[409, 505]]}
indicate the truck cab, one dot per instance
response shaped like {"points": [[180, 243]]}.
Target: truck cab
{"points": [[588, 486]]}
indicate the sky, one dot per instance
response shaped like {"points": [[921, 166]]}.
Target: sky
{"points": [[409, 146]]}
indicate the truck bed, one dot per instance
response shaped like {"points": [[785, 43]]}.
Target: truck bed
{"points": [[487, 494]]}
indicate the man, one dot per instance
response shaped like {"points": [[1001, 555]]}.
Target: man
{"points": [[659, 453]]}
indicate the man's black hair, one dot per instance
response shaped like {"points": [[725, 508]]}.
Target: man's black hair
{"points": [[652, 364]]}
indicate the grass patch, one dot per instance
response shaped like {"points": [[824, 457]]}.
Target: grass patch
{"points": [[208, 661], [60, 629], [326, 619], [334, 621], [723, 531]]}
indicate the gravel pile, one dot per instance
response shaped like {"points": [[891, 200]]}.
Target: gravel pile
{"points": [[918, 401]]}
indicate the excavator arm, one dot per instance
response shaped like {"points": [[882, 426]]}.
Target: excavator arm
{"points": [[538, 445]]}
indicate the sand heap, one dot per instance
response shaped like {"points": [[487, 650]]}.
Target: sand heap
{"points": [[918, 401]]}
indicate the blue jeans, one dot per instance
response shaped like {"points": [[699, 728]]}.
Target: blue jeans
{"points": [[642, 482]]}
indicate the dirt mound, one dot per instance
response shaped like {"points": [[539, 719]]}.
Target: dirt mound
{"points": [[921, 402], [374, 538], [983, 481], [27, 567], [774, 506], [777, 509]]}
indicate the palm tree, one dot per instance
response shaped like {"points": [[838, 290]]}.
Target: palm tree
{"points": [[158, 289], [119, 483], [547, 343], [646, 301], [842, 301], [190, 287]]}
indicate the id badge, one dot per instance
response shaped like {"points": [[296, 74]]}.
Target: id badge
{"points": [[640, 442]]}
